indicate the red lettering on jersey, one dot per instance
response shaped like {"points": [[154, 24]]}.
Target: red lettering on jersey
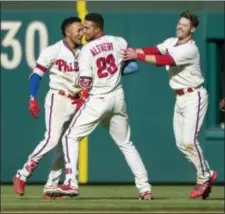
{"points": [[93, 51], [60, 63], [110, 46], [101, 48], [64, 67]]}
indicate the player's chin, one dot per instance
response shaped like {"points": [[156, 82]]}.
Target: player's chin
{"points": [[180, 36]]}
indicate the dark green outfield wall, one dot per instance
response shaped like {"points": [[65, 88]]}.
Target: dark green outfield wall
{"points": [[150, 100]]}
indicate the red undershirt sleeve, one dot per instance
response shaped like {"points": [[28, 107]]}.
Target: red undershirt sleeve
{"points": [[151, 51], [163, 60]]}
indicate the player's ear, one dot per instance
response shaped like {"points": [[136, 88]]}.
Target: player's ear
{"points": [[97, 29], [67, 31], [193, 29]]}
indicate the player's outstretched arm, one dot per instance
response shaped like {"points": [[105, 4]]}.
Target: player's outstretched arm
{"points": [[159, 60]]}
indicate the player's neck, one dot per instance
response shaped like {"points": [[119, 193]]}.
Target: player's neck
{"points": [[185, 40], [100, 34], [70, 45]]}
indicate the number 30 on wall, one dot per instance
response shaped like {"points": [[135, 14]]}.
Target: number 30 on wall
{"points": [[13, 60]]}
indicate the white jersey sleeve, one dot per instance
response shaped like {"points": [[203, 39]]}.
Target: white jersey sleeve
{"points": [[163, 47], [85, 63], [45, 60], [183, 55], [123, 43]]}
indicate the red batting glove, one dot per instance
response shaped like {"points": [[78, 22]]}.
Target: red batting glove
{"points": [[34, 108], [80, 101]]}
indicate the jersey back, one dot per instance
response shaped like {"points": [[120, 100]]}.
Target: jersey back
{"points": [[102, 60]]}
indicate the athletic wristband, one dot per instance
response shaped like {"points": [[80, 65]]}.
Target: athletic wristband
{"points": [[141, 57], [84, 94]]}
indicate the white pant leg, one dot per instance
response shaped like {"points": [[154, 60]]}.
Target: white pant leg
{"points": [[57, 167], [119, 129], [57, 161], [178, 128], [57, 112], [83, 123], [195, 107]]}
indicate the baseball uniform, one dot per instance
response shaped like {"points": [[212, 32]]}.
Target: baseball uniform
{"points": [[186, 79], [101, 60], [62, 64]]}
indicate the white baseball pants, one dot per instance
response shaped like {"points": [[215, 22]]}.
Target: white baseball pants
{"points": [[110, 110], [189, 112], [58, 113]]}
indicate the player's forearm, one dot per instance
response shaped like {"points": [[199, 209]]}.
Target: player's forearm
{"points": [[139, 50], [159, 60], [35, 80]]}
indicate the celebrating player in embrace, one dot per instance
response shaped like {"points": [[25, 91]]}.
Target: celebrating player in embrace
{"points": [[181, 57], [61, 60], [100, 65]]}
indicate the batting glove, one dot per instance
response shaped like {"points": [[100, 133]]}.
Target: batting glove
{"points": [[81, 100], [34, 108]]}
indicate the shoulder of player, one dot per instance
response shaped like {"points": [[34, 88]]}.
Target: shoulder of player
{"points": [[191, 47], [52, 48], [117, 38], [170, 40]]}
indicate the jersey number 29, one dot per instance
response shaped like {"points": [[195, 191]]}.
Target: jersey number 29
{"points": [[106, 66]]}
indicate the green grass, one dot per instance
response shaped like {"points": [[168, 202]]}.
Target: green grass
{"points": [[113, 198]]}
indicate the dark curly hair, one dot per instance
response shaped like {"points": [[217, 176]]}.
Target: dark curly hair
{"points": [[67, 22], [96, 18], [191, 17]]}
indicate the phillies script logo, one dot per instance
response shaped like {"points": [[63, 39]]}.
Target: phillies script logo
{"points": [[64, 67]]}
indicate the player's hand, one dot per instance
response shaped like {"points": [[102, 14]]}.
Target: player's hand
{"points": [[222, 104], [84, 94], [129, 54], [34, 108], [79, 103]]}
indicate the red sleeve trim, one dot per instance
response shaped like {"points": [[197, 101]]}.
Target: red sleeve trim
{"points": [[163, 60], [141, 57], [40, 67], [151, 50]]}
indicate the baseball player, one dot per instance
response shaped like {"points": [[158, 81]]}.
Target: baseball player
{"points": [[181, 57], [103, 96], [61, 60]]}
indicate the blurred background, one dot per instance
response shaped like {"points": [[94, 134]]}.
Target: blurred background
{"points": [[28, 27]]}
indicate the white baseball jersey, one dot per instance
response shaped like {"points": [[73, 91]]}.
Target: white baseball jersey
{"points": [[101, 59], [187, 72], [62, 65]]}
